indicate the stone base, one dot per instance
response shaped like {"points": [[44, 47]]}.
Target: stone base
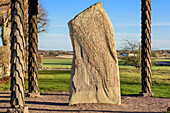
{"points": [[33, 95], [18, 110], [149, 94]]}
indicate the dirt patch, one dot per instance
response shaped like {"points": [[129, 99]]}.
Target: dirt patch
{"points": [[57, 102], [65, 57]]}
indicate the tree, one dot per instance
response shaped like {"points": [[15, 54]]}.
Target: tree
{"points": [[17, 56], [42, 19], [33, 48], [133, 48], [42, 26], [5, 23], [5, 11], [146, 48]]}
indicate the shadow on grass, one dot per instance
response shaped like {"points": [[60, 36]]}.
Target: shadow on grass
{"points": [[122, 63], [131, 95], [129, 83], [54, 81], [54, 72]]}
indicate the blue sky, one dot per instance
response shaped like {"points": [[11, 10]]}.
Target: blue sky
{"points": [[125, 16]]}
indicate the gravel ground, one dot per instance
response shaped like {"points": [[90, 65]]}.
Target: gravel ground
{"points": [[57, 102]]}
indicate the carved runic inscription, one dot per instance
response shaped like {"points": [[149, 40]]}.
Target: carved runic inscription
{"points": [[95, 73]]}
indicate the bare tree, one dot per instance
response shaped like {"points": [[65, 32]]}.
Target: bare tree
{"points": [[134, 49], [5, 24], [42, 18]]}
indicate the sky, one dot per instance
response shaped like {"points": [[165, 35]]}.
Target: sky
{"points": [[125, 16]]}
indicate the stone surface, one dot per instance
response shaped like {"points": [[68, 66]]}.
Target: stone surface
{"points": [[33, 95], [95, 72], [149, 94], [18, 110]]}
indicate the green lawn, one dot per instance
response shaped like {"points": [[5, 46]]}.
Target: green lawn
{"points": [[66, 63], [54, 80], [57, 63], [161, 60], [130, 79]]}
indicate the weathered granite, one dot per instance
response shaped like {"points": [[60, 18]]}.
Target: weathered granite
{"points": [[33, 95], [148, 94], [95, 72]]}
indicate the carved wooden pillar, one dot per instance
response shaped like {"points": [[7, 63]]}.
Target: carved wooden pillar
{"points": [[146, 48], [17, 57], [33, 49]]}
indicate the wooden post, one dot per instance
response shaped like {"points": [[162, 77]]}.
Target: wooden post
{"points": [[146, 48], [17, 57]]}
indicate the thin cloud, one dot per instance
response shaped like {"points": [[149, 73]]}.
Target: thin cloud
{"points": [[53, 35], [161, 24], [58, 25], [161, 44], [128, 34], [54, 41], [128, 25], [139, 25]]}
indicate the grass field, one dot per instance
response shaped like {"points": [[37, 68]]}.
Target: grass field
{"points": [[57, 63], [66, 63], [130, 79], [161, 60]]}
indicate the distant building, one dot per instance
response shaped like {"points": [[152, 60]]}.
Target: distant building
{"points": [[124, 54], [40, 53], [128, 54]]}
